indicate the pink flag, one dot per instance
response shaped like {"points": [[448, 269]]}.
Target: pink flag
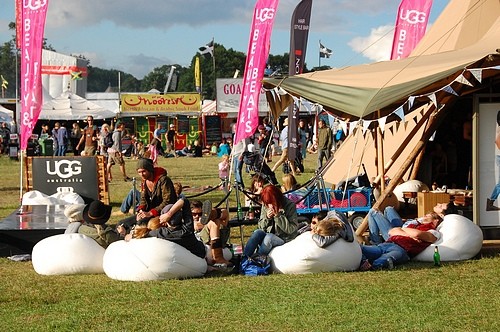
{"points": [[32, 25], [258, 50], [411, 23]]}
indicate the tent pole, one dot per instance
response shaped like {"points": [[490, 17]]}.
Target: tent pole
{"points": [[432, 125], [403, 145]]}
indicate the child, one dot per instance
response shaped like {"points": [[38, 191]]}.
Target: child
{"points": [[224, 168]]}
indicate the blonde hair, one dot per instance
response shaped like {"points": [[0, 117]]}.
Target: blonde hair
{"points": [[328, 227], [289, 182], [143, 230], [225, 157]]}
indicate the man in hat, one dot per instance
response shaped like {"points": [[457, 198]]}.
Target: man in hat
{"points": [[324, 141], [95, 216], [157, 191], [115, 152], [171, 138], [284, 149]]}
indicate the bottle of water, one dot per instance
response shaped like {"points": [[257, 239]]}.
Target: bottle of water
{"points": [[437, 257]]}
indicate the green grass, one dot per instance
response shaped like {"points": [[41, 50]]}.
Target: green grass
{"points": [[460, 296]]}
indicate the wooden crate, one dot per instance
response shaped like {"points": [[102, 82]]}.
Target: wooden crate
{"points": [[427, 200]]}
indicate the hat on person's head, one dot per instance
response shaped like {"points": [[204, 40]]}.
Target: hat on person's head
{"points": [[147, 164], [285, 123], [176, 219], [74, 212], [97, 213], [172, 125]]}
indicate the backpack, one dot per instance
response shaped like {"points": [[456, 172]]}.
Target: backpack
{"points": [[108, 140], [339, 136]]}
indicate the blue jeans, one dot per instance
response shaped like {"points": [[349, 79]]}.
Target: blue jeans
{"points": [[496, 190], [264, 241], [61, 150], [129, 201], [238, 168], [379, 224], [378, 255]]}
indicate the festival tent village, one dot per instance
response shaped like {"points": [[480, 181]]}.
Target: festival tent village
{"points": [[393, 107]]}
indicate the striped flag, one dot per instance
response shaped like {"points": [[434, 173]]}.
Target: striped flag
{"points": [[324, 52]]}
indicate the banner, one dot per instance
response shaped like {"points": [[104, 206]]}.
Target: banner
{"points": [[229, 92], [197, 75], [411, 23], [299, 32], [258, 51], [32, 27], [146, 104]]}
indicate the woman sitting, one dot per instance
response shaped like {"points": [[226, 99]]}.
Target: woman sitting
{"points": [[277, 223], [291, 188]]}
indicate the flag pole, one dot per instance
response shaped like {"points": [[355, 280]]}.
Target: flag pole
{"points": [[319, 54], [213, 63]]}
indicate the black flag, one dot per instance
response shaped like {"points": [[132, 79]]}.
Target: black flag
{"points": [[324, 52], [299, 32]]}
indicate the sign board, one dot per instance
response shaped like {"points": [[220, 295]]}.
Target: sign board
{"points": [[66, 174], [147, 104], [229, 95], [213, 129]]}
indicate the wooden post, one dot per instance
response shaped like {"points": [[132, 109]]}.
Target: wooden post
{"points": [[433, 123]]}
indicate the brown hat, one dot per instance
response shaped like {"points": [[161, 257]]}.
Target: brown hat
{"points": [[97, 213], [147, 164]]}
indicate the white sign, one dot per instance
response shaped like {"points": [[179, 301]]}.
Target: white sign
{"points": [[229, 95]]}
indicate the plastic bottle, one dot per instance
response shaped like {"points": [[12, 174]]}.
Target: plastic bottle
{"points": [[437, 257]]}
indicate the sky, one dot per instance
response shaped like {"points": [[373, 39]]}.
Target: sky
{"points": [[138, 36]]}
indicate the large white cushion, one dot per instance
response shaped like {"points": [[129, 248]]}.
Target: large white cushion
{"points": [[151, 259], [67, 254], [36, 197], [302, 255], [460, 239], [409, 186]]}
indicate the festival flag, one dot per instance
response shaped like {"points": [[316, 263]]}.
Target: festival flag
{"points": [[4, 82], [324, 52], [208, 49], [33, 24], [411, 23], [299, 32], [197, 75], [258, 51]]}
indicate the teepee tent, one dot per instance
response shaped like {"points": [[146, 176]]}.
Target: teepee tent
{"points": [[466, 35]]}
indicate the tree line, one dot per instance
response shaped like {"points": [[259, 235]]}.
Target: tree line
{"points": [[227, 61]]}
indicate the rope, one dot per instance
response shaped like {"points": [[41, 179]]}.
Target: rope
{"points": [[205, 192]]}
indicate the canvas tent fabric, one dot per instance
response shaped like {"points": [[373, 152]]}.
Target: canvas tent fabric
{"points": [[6, 115], [69, 106], [374, 90]]}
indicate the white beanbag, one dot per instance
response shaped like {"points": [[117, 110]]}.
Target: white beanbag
{"points": [[151, 259], [409, 186], [36, 197], [67, 254], [460, 239], [302, 255], [225, 251]]}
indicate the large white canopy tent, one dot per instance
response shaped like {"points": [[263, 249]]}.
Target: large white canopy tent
{"points": [[69, 106]]}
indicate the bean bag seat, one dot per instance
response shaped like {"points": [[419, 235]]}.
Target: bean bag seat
{"points": [[67, 254], [409, 186], [460, 239], [225, 251], [302, 255], [151, 259], [36, 197]]}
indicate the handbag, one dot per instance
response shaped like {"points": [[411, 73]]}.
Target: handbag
{"points": [[257, 265]]}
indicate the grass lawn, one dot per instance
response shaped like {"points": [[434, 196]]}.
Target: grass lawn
{"points": [[460, 296]]}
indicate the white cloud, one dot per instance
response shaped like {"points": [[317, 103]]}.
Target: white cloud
{"points": [[377, 46]]}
